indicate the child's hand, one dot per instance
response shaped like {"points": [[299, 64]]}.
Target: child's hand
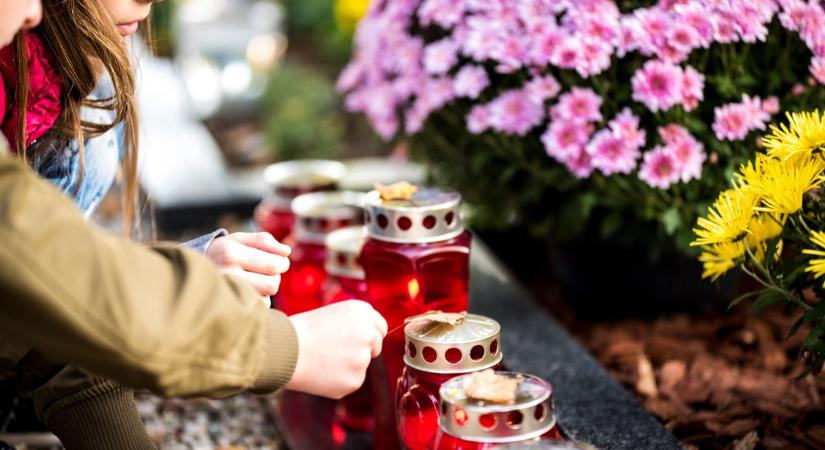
{"points": [[335, 345], [255, 257]]}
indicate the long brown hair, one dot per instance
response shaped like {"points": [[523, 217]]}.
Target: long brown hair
{"points": [[84, 41]]}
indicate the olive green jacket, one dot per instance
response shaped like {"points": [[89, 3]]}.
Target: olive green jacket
{"points": [[160, 318]]}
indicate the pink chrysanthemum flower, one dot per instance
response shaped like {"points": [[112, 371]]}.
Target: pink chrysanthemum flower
{"points": [[693, 87], [579, 104], [735, 120], [542, 88], [654, 23], [470, 81], [659, 168], [730, 122], [415, 116], [673, 133], [385, 126], [565, 138], [757, 116], [813, 22], [611, 154], [477, 36], [793, 15], [658, 85], [511, 53], [771, 105], [446, 13], [630, 35], [595, 58], [683, 37], [580, 164], [695, 14], [817, 69], [625, 126], [688, 153], [440, 56], [725, 28], [567, 53], [544, 44], [434, 93], [477, 119], [407, 52], [514, 112]]}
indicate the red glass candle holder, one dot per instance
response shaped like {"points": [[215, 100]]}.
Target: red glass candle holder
{"points": [[346, 282], [288, 180], [416, 259], [317, 215], [469, 424], [434, 354]]}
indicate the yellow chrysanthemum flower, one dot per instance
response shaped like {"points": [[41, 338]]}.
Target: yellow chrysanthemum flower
{"points": [[804, 134], [761, 229], [750, 172], [718, 259], [349, 12], [728, 218], [784, 183], [816, 265]]}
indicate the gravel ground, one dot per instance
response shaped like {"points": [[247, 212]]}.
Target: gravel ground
{"points": [[240, 422]]}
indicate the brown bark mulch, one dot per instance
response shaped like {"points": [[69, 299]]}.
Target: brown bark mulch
{"points": [[722, 380]]}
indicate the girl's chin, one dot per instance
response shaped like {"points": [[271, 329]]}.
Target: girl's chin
{"points": [[128, 29]]}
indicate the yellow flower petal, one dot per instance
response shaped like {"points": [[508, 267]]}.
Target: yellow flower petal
{"points": [[727, 219], [804, 133]]}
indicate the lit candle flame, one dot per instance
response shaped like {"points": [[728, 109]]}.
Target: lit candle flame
{"points": [[413, 288]]}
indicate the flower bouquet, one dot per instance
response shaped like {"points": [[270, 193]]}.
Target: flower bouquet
{"points": [[771, 224], [583, 118]]}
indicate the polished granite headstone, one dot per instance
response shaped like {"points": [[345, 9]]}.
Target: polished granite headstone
{"points": [[591, 406]]}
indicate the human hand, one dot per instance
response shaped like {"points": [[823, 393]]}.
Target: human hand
{"points": [[335, 345], [257, 258]]}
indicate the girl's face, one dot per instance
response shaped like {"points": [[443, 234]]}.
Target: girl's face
{"points": [[127, 14], [16, 15]]}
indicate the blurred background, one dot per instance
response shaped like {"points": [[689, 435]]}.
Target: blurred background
{"points": [[234, 85]]}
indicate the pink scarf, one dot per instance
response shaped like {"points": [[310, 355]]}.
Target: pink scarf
{"points": [[45, 88]]}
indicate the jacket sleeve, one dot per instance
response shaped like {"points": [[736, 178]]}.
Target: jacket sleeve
{"points": [[163, 318], [201, 243]]}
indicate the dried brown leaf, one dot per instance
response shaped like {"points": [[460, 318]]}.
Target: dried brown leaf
{"points": [[491, 387], [438, 316], [396, 191]]}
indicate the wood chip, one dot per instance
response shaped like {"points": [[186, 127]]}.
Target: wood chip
{"points": [[672, 373], [490, 387], [739, 427], [397, 191], [438, 316], [748, 442], [646, 383]]}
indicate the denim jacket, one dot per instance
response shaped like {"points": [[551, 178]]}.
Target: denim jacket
{"points": [[58, 161]]}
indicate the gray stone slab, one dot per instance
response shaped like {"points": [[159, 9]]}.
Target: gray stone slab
{"points": [[591, 406]]}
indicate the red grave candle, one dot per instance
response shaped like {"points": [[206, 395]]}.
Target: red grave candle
{"points": [[469, 424], [416, 259], [346, 282], [435, 353], [317, 215], [287, 180]]}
